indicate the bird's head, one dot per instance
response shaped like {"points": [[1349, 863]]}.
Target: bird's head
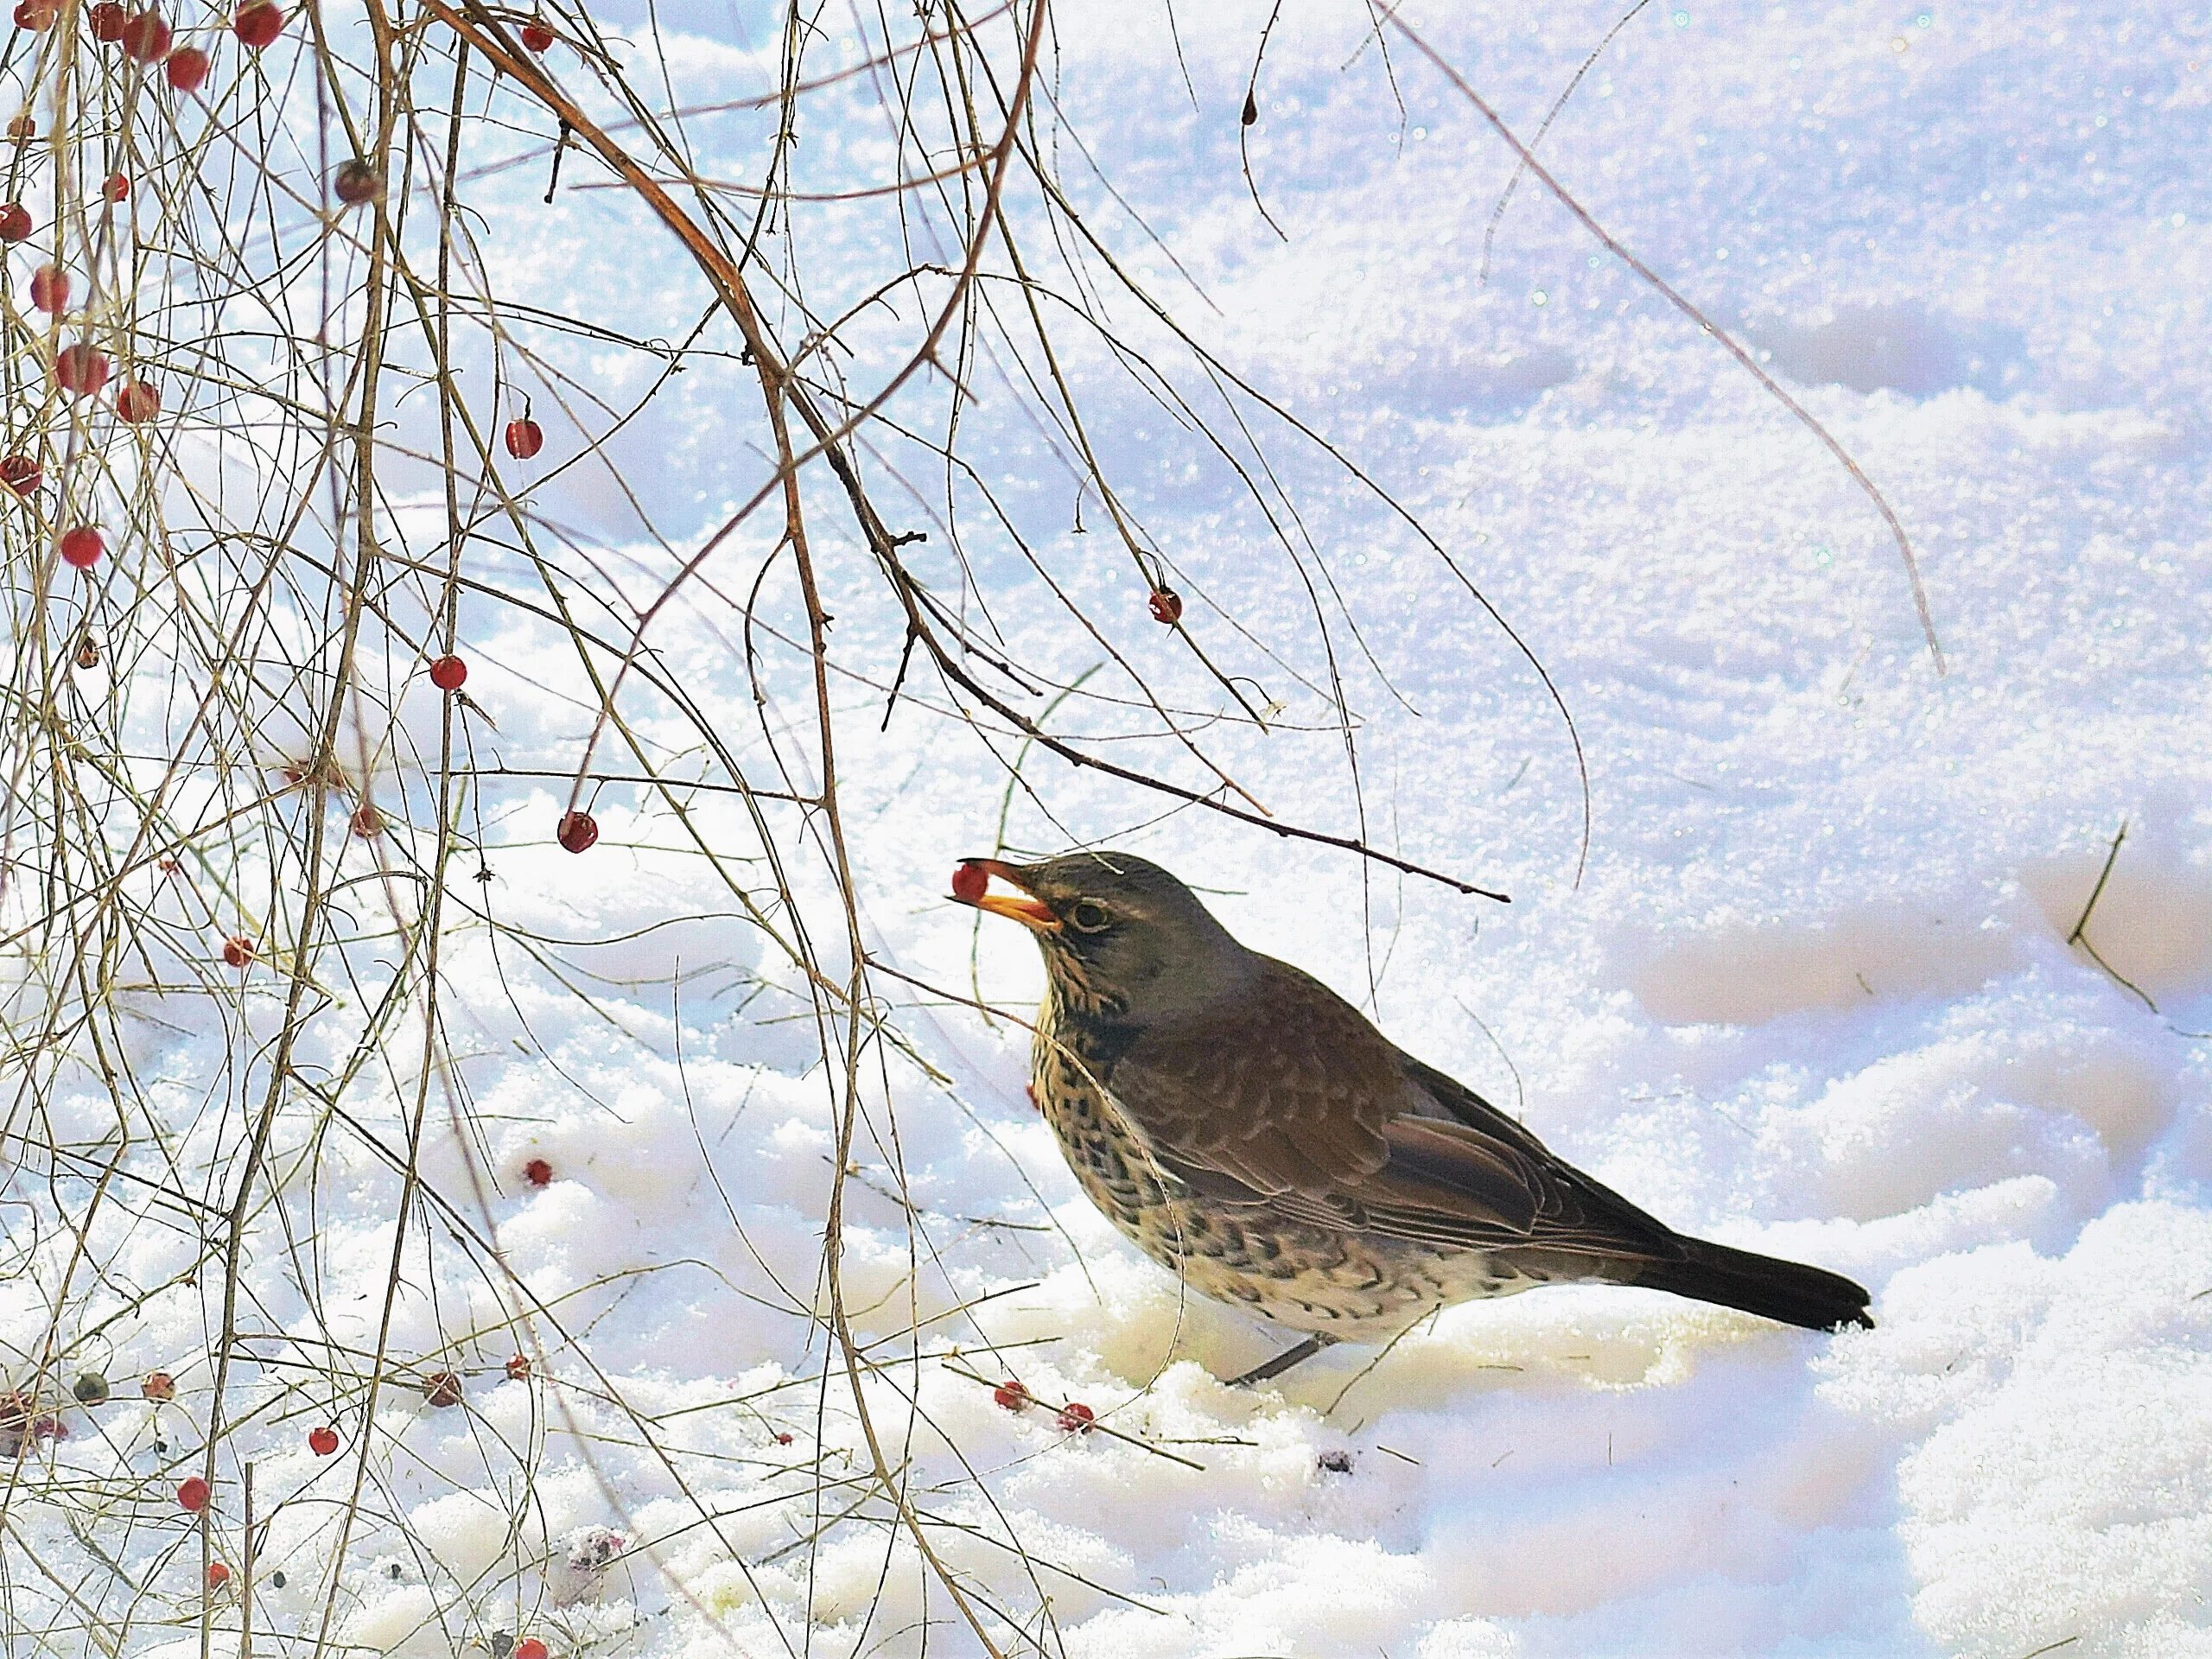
{"points": [[1120, 936]]}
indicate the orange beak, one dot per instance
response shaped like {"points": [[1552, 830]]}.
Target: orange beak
{"points": [[1020, 907]]}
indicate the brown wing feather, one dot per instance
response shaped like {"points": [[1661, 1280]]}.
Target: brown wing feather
{"points": [[1290, 1101]]}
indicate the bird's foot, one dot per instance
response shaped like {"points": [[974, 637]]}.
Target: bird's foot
{"points": [[1297, 1354]]}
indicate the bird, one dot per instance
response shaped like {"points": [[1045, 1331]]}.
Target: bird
{"points": [[1253, 1132]]}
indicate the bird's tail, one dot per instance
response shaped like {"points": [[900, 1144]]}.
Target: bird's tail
{"points": [[1788, 1291]]}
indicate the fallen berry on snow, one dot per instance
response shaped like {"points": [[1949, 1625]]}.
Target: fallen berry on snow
{"points": [[1076, 1418], [442, 1389], [1011, 1395], [538, 1172]]}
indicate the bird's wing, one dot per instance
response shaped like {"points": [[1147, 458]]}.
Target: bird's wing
{"points": [[1291, 1102]]}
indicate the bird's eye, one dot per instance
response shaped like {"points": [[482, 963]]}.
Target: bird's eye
{"points": [[1090, 916]]}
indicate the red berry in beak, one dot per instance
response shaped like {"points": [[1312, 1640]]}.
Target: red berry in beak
{"points": [[968, 882]]}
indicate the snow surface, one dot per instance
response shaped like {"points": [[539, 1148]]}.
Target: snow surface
{"points": [[1814, 994]]}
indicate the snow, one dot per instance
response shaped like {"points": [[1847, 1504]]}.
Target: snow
{"points": [[1818, 992]]}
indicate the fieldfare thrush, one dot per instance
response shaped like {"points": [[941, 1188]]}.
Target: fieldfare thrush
{"points": [[1249, 1129]]}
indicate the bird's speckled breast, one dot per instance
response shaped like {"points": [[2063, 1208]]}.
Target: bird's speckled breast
{"points": [[1356, 1287]]}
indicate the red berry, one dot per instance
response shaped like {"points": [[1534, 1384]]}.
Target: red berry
{"points": [[187, 68], [442, 1388], [257, 24], [356, 182], [238, 950], [138, 400], [537, 36], [218, 1575], [37, 13], [146, 37], [1011, 1395], [14, 222], [518, 1367], [81, 548], [80, 369], [538, 1172], [158, 1385], [577, 832], [529, 1648], [448, 673], [968, 882], [524, 438], [783, 1437], [193, 1494], [108, 18], [1076, 1418], [22, 126], [19, 473], [322, 1441], [368, 822], [117, 188], [50, 289], [1166, 606]]}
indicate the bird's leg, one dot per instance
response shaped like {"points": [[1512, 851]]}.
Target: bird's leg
{"points": [[1297, 1354]]}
